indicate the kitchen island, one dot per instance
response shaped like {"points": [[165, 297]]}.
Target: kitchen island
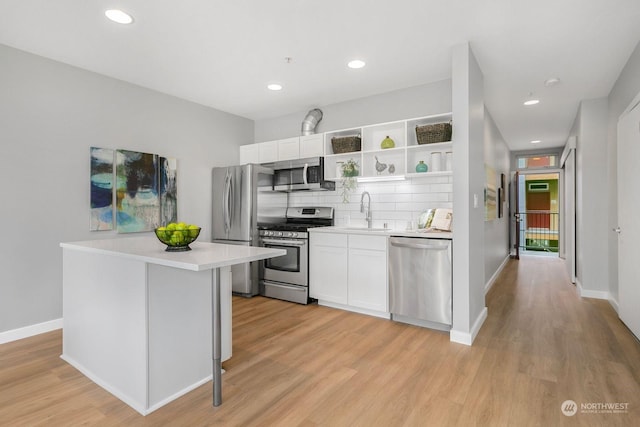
{"points": [[146, 324]]}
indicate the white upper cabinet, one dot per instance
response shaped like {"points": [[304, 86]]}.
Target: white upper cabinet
{"points": [[298, 147], [268, 151], [249, 153], [312, 146], [289, 149]]}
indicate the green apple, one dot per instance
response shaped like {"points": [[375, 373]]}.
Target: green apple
{"points": [[193, 230]]}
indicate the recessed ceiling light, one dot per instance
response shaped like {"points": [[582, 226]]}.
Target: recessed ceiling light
{"points": [[531, 101], [552, 81], [116, 15], [356, 63], [274, 86], [536, 141]]}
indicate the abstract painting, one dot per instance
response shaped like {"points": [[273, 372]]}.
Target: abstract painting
{"points": [[168, 191], [137, 191], [101, 176], [490, 194]]}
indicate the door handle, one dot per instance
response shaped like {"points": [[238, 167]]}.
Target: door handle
{"points": [[225, 202], [617, 230], [304, 173], [419, 246]]}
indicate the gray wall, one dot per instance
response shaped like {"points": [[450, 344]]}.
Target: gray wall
{"points": [[624, 90], [590, 128], [50, 114], [496, 232], [418, 101]]}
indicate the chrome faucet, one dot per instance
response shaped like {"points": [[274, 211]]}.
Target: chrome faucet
{"points": [[368, 211]]}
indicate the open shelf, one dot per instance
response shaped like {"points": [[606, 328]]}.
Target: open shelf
{"points": [[401, 159]]}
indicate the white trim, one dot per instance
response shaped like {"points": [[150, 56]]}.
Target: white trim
{"points": [[353, 309], [614, 304], [179, 394], [594, 294], [570, 145], [492, 279], [138, 406], [585, 293], [29, 331], [467, 338]]}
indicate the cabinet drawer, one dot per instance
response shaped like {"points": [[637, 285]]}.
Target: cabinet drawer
{"points": [[368, 242], [328, 239]]}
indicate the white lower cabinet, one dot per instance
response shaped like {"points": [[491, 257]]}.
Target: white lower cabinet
{"points": [[350, 270], [367, 278], [328, 270]]}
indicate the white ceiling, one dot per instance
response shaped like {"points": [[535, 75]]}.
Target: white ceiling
{"points": [[223, 53]]}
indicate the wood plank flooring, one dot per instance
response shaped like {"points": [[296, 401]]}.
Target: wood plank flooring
{"points": [[299, 365]]}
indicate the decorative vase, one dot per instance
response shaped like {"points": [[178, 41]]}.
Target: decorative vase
{"points": [[422, 166], [387, 143]]}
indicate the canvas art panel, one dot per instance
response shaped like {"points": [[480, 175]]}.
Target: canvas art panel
{"points": [[101, 196], [168, 191], [490, 194], [137, 191]]}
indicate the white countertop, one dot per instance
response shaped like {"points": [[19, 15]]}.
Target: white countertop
{"points": [[202, 256], [383, 232]]}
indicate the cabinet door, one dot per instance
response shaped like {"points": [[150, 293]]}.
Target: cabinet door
{"points": [[268, 151], [311, 146], [289, 149], [368, 279], [328, 273], [249, 154]]}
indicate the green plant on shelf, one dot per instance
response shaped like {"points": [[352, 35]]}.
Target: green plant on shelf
{"points": [[350, 170]]}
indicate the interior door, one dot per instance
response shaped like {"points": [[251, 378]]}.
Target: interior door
{"points": [[628, 227], [515, 216]]}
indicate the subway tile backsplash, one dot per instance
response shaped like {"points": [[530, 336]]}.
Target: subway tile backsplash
{"points": [[392, 202]]}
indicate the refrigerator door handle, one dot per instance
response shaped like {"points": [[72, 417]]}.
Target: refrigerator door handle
{"points": [[231, 200], [225, 202], [304, 173]]}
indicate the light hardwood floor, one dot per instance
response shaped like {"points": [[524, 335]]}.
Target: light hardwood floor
{"points": [[299, 365]]}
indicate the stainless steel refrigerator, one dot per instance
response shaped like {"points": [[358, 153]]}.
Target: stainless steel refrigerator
{"points": [[235, 216]]}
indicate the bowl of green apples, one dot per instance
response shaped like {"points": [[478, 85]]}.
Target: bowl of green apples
{"points": [[177, 236]]}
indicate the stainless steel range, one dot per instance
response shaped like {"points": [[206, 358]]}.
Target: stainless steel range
{"points": [[287, 277]]}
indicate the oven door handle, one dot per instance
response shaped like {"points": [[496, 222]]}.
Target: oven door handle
{"points": [[284, 242]]}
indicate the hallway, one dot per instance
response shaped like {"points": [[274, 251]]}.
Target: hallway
{"points": [[549, 346], [308, 365]]}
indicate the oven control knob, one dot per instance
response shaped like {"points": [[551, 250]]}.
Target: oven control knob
{"points": [[294, 235], [279, 233]]}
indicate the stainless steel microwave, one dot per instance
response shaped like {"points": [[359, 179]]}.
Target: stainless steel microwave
{"points": [[301, 174]]}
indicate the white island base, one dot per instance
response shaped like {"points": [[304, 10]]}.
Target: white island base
{"points": [[138, 320]]}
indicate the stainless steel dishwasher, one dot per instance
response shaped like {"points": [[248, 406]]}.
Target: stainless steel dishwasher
{"points": [[420, 281]]}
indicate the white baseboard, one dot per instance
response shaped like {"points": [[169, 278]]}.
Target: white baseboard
{"points": [[585, 293], [366, 311], [492, 280], [614, 304], [29, 331], [467, 338]]}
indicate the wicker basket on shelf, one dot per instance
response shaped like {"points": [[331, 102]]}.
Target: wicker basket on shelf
{"points": [[437, 132], [345, 144]]}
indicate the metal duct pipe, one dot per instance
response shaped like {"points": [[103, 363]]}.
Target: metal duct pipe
{"points": [[311, 121]]}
